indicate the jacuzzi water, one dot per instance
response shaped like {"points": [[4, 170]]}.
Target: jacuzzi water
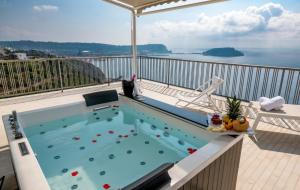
{"points": [[108, 148]]}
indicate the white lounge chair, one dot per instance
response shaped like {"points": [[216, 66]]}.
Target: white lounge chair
{"points": [[206, 89], [288, 111]]}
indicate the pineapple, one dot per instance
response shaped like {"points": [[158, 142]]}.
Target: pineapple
{"points": [[233, 119], [233, 108]]}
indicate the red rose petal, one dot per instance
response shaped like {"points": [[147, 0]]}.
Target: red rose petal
{"points": [[189, 149], [125, 136], [106, 186], [94, 141], [111, 132], [75, 173], [98, 135], [192, 151]]}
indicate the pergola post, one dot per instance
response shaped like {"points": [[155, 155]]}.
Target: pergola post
{"points": [[133, 43], [137, 8]]}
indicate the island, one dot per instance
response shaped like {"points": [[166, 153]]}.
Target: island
{"points": [[223, 52]]}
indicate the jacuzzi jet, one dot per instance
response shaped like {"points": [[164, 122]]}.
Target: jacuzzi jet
{"points": [[18, 135], [10, 118], [14, 125]]}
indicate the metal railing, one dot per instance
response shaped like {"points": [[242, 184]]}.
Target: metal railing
{"points": [[43, 75], [247, 82], [114, 67]]}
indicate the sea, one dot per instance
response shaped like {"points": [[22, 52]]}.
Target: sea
{"points": [[252, 56]]}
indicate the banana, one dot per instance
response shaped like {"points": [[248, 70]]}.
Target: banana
{"points": [[217, 129]]}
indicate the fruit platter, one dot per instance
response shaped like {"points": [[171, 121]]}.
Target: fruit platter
{"points": [[231, 121]]}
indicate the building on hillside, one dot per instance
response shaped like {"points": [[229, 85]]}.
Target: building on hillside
{"points": [[21, 56]]}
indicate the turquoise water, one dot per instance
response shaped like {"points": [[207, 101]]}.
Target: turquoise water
{"points": [[107, 149]]}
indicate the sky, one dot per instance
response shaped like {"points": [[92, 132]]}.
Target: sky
{"points": [[235, 23]]}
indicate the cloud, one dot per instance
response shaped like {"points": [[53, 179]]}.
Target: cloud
{"points": [[269, 20], [45, 8]]}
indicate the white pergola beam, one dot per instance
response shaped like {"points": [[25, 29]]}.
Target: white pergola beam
{"points": [[120, 4], [180, 7]]}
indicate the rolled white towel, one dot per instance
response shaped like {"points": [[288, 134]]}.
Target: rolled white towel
{"points": [[262, 99], [275, 103]]}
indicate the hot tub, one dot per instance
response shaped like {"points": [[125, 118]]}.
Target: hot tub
{"points": [[111, 145]]}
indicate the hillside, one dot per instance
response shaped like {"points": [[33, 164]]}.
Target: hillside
{"points": [[223, 52], [83, 49]]}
